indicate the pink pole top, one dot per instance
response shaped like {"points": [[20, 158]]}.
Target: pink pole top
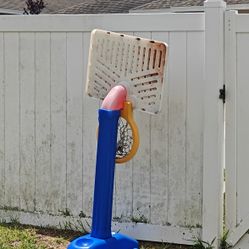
{"points": [[115, 99]]}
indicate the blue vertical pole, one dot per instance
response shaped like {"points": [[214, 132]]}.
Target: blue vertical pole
{"points": [[105, 167]]}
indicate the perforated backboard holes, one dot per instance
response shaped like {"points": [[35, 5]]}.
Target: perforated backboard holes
{"points": [[117, 57]]}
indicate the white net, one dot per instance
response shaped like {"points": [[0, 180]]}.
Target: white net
{"points": [[125, 139]]}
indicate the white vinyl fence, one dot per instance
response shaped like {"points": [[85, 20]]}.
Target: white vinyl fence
{"points": [[48, 127], [173, 189]]}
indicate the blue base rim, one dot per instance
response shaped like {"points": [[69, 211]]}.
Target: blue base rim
{"points": [[117, 241]]}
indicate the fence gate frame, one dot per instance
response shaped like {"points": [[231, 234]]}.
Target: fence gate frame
{"points": [[213, 148], [220, 126], [237, 226]]}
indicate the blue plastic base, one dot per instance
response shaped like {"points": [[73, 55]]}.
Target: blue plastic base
{"points": [[118, 241]]}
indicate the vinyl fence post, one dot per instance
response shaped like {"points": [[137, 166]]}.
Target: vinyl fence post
{"points": [[213, 149]]}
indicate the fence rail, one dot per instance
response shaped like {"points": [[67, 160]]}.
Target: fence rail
{"points": [[115, 22]]}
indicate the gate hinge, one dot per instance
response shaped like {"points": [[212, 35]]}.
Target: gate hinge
{"points": [[223, 94]]}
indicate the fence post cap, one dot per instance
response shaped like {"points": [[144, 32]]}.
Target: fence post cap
{"points": [[214, 4]]}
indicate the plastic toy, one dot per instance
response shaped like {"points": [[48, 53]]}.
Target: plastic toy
{"points": [[126, 72]]}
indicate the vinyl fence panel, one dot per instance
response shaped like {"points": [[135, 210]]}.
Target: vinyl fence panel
{"points": [[48, 127]]}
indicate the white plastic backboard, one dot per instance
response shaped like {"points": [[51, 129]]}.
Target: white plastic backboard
{"points": [[134, 62]]}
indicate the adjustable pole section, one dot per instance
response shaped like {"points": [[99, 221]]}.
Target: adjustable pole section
{"points": [[105, 167]]}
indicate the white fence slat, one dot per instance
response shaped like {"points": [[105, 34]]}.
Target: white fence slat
{"points": [[194, 129], [43, 126], [123, 188], [90, 124], [27, 121], [75, 91], [141, 164], [123, 191], [177, 128], [159, 152], [231, 134], [58, 121], [2, 99], [242, 116], [12, 170]]}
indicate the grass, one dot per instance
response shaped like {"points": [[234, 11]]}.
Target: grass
{"points": [[27, 237], [200, 244], [23, 237]]}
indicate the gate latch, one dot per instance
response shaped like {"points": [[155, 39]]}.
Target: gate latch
{"points": [[223, 94]]}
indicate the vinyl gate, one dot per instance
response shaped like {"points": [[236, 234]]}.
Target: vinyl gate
{"points": [[237, 128], [227, 60]]}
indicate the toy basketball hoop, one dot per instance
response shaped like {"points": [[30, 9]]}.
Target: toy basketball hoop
{"points": [[127, 73], [134, 62]]}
